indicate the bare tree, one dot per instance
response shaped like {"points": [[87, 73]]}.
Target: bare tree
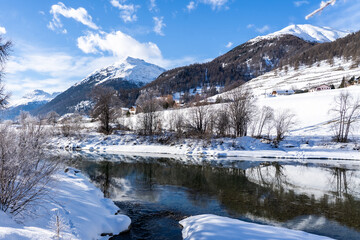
{"points": [[4, 53], [241, 109], [265, 117], [59, 225], [177, 122], [24, 175], [106, 107], [149, 118], [71, 125], [52, 118], [222, 123], [283, 121], [199, 119], [347, 110]]}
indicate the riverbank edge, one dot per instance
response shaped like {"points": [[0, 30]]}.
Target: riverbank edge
{"points": [[83, 211], [221, 148]]}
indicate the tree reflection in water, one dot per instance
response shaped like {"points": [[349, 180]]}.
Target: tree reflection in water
{"points": [[266, 191]]}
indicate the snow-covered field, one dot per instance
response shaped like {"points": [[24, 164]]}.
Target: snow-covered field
{"points": [[83, 211], [310, 137], [212, 227]]}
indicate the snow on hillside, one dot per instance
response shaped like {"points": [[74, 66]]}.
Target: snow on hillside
{"points": [[310, 138], [303, 78], [307, 32], [34, 96], [132, 69]]}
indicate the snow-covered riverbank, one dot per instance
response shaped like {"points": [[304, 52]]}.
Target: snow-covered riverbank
{"points": [[83, 213], [294, 147]]}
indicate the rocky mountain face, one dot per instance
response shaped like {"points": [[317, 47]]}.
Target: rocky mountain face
{"points": [[237, 66], [29, 102], [126, 77]]}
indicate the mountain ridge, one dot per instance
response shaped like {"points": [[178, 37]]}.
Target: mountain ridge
{"points": [[123, 76]]}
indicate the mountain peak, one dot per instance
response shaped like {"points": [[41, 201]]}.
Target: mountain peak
{"points": [[131, 69], [36, 95], [306, 32]]}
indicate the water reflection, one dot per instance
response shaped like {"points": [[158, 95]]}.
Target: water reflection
{"points": [[318, 199]]}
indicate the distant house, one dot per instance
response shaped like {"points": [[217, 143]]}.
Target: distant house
{"points": [[283, 92], [132, 110], [320, 88]]}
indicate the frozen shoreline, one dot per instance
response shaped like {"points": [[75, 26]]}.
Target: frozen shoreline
{"points": [[82, 208], [299, 148]]}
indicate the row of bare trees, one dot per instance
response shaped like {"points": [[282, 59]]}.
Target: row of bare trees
{"points": [[236, 118], [239, 117]]}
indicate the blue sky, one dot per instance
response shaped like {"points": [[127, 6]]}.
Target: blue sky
{"points": [[57, 43]]}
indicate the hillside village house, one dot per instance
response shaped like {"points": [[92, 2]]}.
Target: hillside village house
{"points": [[132, 110], [320, 88], [282, 92]]}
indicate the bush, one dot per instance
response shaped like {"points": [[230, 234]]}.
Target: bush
{"points": [[24, 175]]}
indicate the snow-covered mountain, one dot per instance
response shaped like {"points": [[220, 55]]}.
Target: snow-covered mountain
{"points": [[29, 102], [134, 70], [124, 76], [307, 32], [34, 96], [323, 64]]}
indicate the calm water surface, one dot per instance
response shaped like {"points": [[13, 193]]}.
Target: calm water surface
{"points": [[156, 193]]}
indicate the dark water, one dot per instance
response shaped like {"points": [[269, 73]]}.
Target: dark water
{"points": [[156, 193]]}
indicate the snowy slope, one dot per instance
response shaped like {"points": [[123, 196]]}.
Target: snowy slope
{"points": [[125, 75], [307, 32], [303, 78], [132, 69]]}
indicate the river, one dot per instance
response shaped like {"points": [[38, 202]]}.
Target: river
{"points": [[156, 193]]}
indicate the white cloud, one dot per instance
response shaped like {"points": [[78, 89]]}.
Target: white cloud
{"points": [[152, 6], [250, 26], [118, 44], [263, 29], [191, 6], [80, 14], [2, 30], [300, 3], [229, 45], [127, 11], [159, 25], [215, 4], [121, 46], [49, 70]]}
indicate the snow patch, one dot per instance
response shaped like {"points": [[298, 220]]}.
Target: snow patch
{"points": [[212, 227]]}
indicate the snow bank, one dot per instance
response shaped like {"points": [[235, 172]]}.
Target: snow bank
{"points": [[208, 227], [82, 208], [215, 148]]}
